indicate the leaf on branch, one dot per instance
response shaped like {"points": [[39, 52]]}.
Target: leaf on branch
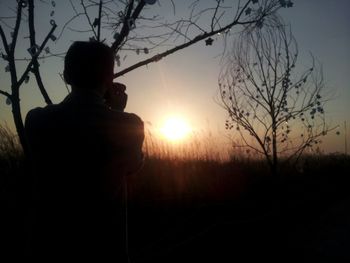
{"points": [[116, 35], [146, 50], [7, 68], [157, 58], [283, 3], [47, 50], [53, 37], [290, 4], [52, 22], [117, 59], [96, 22], [255, 1], [26, 80], [209, 41], [34, 50], [131, 23], [8, 101], [52, 13], [24, 3], [248, 11], [5, 57], [137, 51], [260, 23], [53, 3]]}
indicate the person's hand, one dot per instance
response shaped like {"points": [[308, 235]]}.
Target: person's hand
{"points": [[115, 96]]}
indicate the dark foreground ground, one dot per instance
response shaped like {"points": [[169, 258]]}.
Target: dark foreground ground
{"points": [[205, 212]]}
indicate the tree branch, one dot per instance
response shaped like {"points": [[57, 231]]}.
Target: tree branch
{"points": [[6, 94], [4, 41], [125, 29], [35, 68], [30, 64], [179, 47], [99, 20], [68, 22], [88, 18], [17, 25]]}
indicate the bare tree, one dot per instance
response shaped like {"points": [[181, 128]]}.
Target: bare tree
{"points": [[277, 110], [128, 26], [13, 97]]}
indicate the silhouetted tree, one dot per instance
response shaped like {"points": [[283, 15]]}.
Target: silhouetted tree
{"points": [[129, 26], [276, 108]]}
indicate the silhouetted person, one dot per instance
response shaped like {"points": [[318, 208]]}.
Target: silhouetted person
{"points": [[81, 149]]}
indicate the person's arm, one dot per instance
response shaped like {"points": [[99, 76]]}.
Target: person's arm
{"points": [[135, 156], [116, 99]]}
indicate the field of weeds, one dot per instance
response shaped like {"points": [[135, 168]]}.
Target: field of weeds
{"points": [[190, 210]]}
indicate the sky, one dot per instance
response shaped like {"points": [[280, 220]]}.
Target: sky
{"points": [[185, 84]]}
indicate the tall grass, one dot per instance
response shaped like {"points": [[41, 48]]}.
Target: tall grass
{"points": [[197, 146], [11, 157], [183, 181], [10, 147], [200, 166]]}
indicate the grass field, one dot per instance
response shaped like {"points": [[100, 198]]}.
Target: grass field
{"points": [[207, 209]]}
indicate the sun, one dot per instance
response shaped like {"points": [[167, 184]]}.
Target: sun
{"points": [[175, 129]]}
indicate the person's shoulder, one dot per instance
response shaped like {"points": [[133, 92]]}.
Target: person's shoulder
{"points": [[134, 118], [128, 117], [33, 115], [40, 112], [33, 122], [41, 115]]}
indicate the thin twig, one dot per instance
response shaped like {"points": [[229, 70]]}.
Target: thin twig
{"points": [[6, 94]]}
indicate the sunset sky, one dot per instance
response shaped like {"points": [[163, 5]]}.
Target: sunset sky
{"points": [[185, 84]]}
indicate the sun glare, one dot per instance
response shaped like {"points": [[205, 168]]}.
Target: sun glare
{"points": [[175, 129]]}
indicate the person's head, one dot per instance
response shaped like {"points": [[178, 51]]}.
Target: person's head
{"points": [[89, 66]]}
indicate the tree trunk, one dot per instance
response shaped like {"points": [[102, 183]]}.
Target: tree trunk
{"points": [[40, 83], [32, 44], [274, 166], [17, 117]]}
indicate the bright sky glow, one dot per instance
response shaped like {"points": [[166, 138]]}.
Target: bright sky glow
{"points": [[175, 129]]}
